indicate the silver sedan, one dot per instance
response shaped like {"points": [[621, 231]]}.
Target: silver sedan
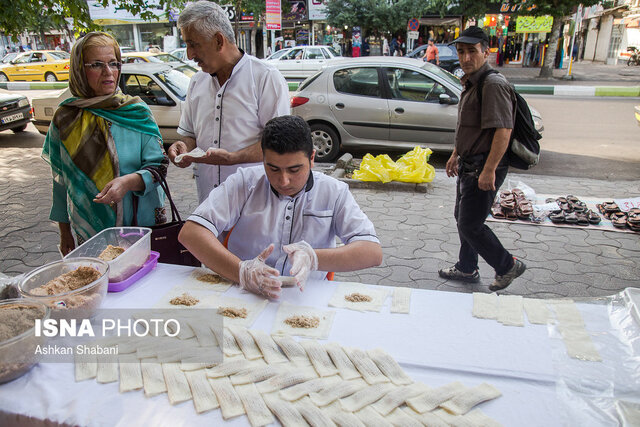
{"points": [[383, 103]]}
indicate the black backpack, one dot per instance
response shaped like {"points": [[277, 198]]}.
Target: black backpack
{"points": [[524, 148]]}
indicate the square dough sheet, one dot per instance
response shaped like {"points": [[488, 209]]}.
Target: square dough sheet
{"points": [[377, 295], [254, 308], [286, 310], [177, 291], [200, 280]]}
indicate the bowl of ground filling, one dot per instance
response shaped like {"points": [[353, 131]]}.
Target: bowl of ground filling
{"points": [[72, 288], [18, 341], [125, 249]]}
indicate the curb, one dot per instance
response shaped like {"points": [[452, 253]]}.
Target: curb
{"points": [[582, 91], [560, 90], [33, 85]]}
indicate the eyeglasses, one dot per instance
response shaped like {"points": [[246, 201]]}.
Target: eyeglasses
{"points": [[100, 66]]}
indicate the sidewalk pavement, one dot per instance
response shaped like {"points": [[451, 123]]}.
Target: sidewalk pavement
{"points": [[417, 231]]}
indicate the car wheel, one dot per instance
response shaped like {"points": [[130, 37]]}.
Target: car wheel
{"points": [[325, 141], [458, 72], [50, 77], [19, 129], [3, 77]]}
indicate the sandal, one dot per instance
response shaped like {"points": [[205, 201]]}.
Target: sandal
{"points": [[618, 219], [571, 218], [572, 199], [524, 210], [518, 194], [593, 217], [610, 207], [583, 219], [600, 208], [557, 217], [511, 215], [633, 218], [496, 211], [579, 206]]}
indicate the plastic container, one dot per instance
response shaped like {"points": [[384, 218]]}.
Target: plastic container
{"points": [[17, 354], [135, 240], [81, 303], [151, 263]]}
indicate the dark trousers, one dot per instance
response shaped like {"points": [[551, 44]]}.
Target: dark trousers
{"points": [[472, 207]]}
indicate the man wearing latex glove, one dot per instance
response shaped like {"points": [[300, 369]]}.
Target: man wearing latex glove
{"points": [[304, 260], [284, 203], [258, 277]]}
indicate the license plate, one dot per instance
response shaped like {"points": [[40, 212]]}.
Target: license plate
{"points": [[12, 118]]}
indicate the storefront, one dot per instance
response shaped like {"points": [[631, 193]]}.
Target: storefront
{"points": [[442, 30], [517, 39]]}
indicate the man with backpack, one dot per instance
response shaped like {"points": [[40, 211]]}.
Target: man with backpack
{"points": [[486, 118]]}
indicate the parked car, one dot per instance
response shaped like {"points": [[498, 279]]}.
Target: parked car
{"points": [[137, 57], [162, 86], [448, 58], [181, 54], [15, 112], [302, 61], [37, 65], [380, 102]]}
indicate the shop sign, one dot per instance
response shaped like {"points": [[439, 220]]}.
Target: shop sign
{"points": [[507, 7], [297, 11], [111, 14], [534, 24], [273, 16], [317, 10], [230, 10]]}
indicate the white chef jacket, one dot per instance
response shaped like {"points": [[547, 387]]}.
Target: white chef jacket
{"points": [[233, 115], [260, 216]]}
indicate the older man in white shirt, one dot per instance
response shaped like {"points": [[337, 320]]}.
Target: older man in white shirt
{"points": [[284, 216], [228, 102]]}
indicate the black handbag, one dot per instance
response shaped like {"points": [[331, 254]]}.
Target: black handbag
{"points": [[164, 237]]}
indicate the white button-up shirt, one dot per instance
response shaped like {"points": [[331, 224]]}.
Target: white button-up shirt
{"points": [[233, 115], [260, 216]]}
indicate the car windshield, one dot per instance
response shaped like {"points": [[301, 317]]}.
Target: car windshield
{"points": [[60, 55], [9, 56], [177, 80], [278, 54], [334, 51], [164, 57], [443, 74]]}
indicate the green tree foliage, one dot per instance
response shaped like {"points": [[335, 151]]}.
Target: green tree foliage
{"points": [[374, 16], [20, 15]]}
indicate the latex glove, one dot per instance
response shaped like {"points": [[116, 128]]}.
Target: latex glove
{"points": [[303, 261], [258, 277]]}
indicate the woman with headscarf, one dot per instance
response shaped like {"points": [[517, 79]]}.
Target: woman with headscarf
{"points": [[100, 146]]}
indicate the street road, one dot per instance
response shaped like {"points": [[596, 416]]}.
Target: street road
{"points": [[583, 137]]}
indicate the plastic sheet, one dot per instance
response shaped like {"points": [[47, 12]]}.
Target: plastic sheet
{"points": [[592, 393], [411, 167]]}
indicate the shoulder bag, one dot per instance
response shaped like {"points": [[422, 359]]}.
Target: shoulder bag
{"points": [[164, 237]]}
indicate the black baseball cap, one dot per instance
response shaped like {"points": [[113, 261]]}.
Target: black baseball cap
{"points": [[472, 35]]}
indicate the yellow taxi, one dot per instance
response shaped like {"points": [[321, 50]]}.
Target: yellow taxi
{"points": [[37, 65]]}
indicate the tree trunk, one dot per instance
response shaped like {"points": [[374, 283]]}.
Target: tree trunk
{"points": [[550, 55]]}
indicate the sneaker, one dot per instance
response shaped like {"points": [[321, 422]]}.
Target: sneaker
{"points": [[505, 280], [452, 273]]}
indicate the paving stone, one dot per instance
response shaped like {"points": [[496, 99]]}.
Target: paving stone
{"points": [[535, 254]]}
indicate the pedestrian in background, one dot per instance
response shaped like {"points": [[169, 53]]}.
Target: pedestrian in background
{"points": [[385, 47], [228, 102], [431, 53], [100, 146], [478, 160]]}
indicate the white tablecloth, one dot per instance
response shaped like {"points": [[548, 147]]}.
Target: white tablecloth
{"points": [[437, 343]]}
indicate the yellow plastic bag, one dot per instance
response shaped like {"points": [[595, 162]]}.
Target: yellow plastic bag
{"points": [[411, 167]]}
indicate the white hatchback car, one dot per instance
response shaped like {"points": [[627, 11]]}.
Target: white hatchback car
{"points": [[163, 87], [303, 61]]}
